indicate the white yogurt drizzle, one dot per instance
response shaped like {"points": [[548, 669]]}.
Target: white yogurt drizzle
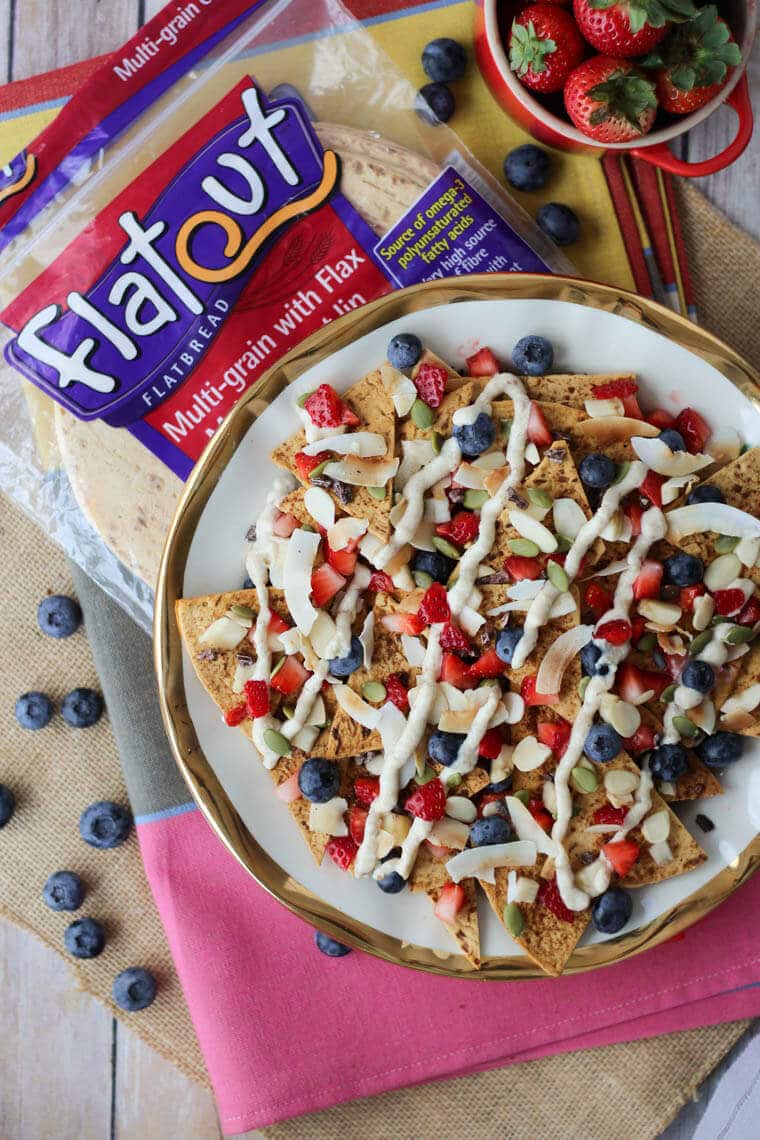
{"points": [[414, 493], [467, 756]]}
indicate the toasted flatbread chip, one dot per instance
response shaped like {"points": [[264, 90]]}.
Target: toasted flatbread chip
{"points": [[735, 718], [430, 875], [547, 940], [459, 397]]}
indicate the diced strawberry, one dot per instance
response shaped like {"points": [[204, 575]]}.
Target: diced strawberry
{"points": [[648, 580], [456, 673], [631, 407], [609, 814], [631, 682], [651, 488], [622, 855], [616, 632], [538, 429], [344, 561], [342, 851], [519, 567], [492, 798], [325, 584], [366, 788], [489, 664], [541, 814], [482, 363], [615, 388], [284, 525], [236, 716], [491, 744], [549, 896], [256, 698], [674, 663], [532, 697], [276, 623], [397, 692], [694, 429], [728, 602], [430, 383], [638, 627], [751, 612], [290, 676], [460, 529], [642, 740], [327, 410], [305, 464], [555, 735], [288, 791], [634, 511], [661, 419], [357, 818], [434, 606], [428, 801], [403, 623], [349, 417], [455, 639], [450, 901], [688, 596], [440, 854], [380, 582], [597, 599]]}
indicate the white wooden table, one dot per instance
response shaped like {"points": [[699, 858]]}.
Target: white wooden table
{"points": [[112, 1086]]}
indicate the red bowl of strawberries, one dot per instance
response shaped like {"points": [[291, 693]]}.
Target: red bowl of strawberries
{"points": [[595, 75]]}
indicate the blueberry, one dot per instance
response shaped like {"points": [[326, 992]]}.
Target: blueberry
{"points": [[602, 743], [672, 439], [63, 891], [597, 470], [559, 222], [720, 748], [533, 355], [84, 938], [501, 786], [345, 666], [391, 883], [527, 167], [590, 655], [329, 946], [105, 824], [668, 762], [443, 747], [134, 989], [7, 804], [705, 493], [59, 616], [444, 60], [491, 829], [319, 780], [684, 570], [34, 710], [611, 911], [698, 675], [431, 562], [404, 350], [82, 708], [474, 439], [506, 643], [434, 103]]}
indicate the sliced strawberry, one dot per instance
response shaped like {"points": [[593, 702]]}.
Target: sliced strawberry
{"points": [[256, 698], [751, 612], [430, 383], [349, 417], [688, 596], [694, 429], [597, 599], [397, 692], [622, 855], [631, 682], [615, 388], [616, 632], [555, 735], [380, 582], [236, 716], [634, 512], [434, 606], [366, 788], [609, 814], [288, 791], [344, 561], [674, 663], [305, 464], [642, 740], [440, 854], [549, 896], [638, 628], [456, 673], [453, 638], [325, 584], [482, 363], [326, 409], [284, 525], [728, 602], [532, 697], [460, 529], [428, 801], [631, 408], [541, 814], [290, 676], [661, 419], [491, 744], [519, 567], [450, 901], [648, 580], [403, 623], [489, 664], [357, 818], [342, 851], [276, 624], [651, 488], [538, 429]]}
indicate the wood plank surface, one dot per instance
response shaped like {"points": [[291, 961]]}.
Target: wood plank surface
{"points": [[52, 33]]}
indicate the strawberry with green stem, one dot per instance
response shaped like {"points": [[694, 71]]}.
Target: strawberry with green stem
{"points": [[693, 63], [544, 47], [610, 101], [625, 28]]}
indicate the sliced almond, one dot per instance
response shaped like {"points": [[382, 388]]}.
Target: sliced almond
{"points": [[665, 614], [704, 716], [721, 571], [748, 551], [459, 807], [328, 817], [451, 833], [549, 797], [704, 608], [532, 455], [436, 510], [737, 721], [346, 530], [529, 754], [569, 517], [531, 528], [656, 827], [503, 764], [224, 633], [385, 843], [620, 782], [743, 702], [359, 472], [490, 460], [671, 642], [661, 853], [514, 707], [320, 506], [598, 409], [624, 717], [620, 801], [521, 889]]}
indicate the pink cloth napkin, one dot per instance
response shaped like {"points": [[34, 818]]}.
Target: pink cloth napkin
{"points": [[286, 1030]]}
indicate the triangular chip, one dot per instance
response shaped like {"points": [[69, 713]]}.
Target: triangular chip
{"points": [[459, 397], [430, 875], [548, 940], [740, 710], [569, 388]]}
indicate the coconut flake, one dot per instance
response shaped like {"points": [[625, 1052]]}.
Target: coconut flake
{"points": [[661, 853], [724, 445], [414, 650], [469, 476], [224, 633], [299, 561], [569, 517], [532, 455], [437, 510], [360, 472], [452, 833], [672, 488], [352, 704], [614, 429], [529, 754], [559, 655], [470, 620], [320, 506], [658, 456], [328, 817], [318, 713], [720, 518], [322, 633], [345, 530], [521, 889], [527, 829], [600, 409], [607, 571], [367, 639], [490, 460], [475, 860], [415, 454], [360, 443]]}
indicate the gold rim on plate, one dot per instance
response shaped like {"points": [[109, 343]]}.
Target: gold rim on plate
{"points": [[200, 777]]}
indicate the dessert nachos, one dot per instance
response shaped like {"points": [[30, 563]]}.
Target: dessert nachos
{"points": [[494, 627]]}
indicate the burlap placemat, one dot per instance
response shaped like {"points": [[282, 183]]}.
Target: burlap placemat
{"points": [[58, 772]]}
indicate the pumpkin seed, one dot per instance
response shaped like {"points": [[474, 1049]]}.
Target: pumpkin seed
{"points": [[523, 796], [584, 780], [288, 712], [539, 498], [699, 643], [376, 492], [563, 544], [557, 576], [276, 742], [436, 441], [683, 726], [445, 547], [318, 471], [739, 635], [646, 643], [301, 401], [373, 691], [583, 684], [474, 500], [718, 620], [523, 547], [420, 763], [245, 613], [454, 780], [277, 668], [513, 919], [309, 527], [622, 471], [422, 579], [726, 543], [667, 694], [506, 427], [423, 417], [426, 775]]}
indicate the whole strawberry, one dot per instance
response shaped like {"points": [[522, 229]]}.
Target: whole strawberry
{"points": [[544, 47], [693, 63], [624, 28], [610, 101]]}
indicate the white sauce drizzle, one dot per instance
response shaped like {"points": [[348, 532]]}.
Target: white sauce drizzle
{"points": [[467, 756]]}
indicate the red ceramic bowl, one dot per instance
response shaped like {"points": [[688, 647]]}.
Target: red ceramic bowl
{"points": [[559, 132]]}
